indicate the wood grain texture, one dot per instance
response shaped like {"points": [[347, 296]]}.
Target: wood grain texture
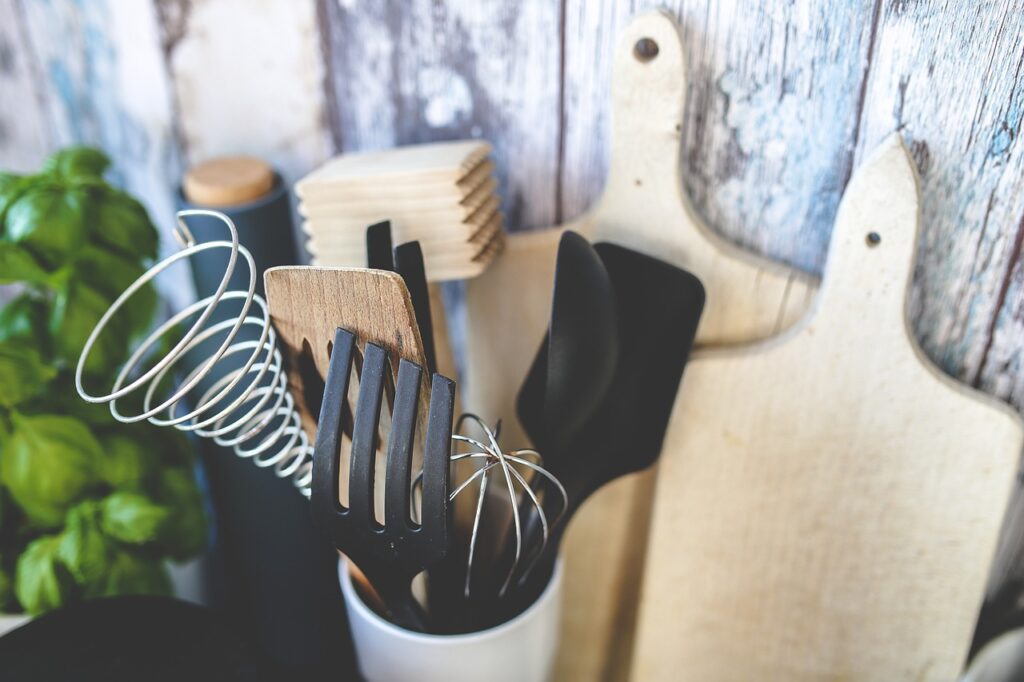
{"points": [[829, 501], [24, 136], [104, 83], [951, 80], [307, 305], [773, 100], [420, 71], [248, 79], [643, 206]]}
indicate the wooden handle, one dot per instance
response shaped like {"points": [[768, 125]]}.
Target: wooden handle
{"points": [[872, 252], [648, 96]]}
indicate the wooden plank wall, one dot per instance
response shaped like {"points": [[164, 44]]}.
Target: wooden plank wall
{"points": [[785, 98]]}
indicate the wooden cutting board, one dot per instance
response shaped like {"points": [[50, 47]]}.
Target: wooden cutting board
{"points": [[828, 502], [643, 207]]}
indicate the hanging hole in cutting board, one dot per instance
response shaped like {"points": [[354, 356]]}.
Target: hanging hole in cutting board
{"points": [[873, 239], [645, 50]]}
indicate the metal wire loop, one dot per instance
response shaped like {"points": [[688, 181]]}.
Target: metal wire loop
{"points": [[248, 406]]}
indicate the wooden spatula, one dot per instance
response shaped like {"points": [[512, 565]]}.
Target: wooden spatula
{"points": [[307, 305]]}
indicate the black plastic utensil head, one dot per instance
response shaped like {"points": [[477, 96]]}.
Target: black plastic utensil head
{"points": [[408, 258], [378, 246], [577, 359], [392, 553], [659, 307]]}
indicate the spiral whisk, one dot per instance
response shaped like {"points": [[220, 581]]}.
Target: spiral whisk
{"points": [[246, 404]]}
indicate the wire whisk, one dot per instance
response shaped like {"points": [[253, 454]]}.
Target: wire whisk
{"points": [[249, 407], [525, 497]]}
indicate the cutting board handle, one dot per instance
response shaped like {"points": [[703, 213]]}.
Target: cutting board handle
{"points": [[648, 96], [873, 246]]}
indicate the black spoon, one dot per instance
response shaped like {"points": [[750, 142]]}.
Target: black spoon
{"points": [[577, 359]]}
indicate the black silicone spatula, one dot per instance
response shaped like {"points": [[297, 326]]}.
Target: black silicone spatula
{"points": [[658, 307]]}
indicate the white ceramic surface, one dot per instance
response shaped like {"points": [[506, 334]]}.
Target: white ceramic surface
{"points": [[521, 650], [1001, 660]]}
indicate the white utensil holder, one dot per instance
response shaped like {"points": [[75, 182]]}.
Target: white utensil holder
{"points": [[520, 650]]}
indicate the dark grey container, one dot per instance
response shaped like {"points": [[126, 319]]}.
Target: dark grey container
{"points": [[272, 575]]}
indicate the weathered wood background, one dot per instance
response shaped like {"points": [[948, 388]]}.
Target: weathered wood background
{"points": [[785, 99]]}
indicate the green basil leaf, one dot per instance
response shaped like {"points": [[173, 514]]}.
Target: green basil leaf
{"points": [[110, 274], [75, 313], [47, 465], [61, 397], [11, 187], [124, 461], [23, 373], [184, 534], [83, 547], [8, 182], [24, 318], [74, 163], [18, 265], [131, 572], [50, 221], [121, 222], [42, 582], [132, 517]]}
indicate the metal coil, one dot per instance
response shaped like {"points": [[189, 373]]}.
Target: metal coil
{"points": [[249, 407]]}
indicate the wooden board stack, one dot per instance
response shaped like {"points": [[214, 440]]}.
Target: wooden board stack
{"points": [[441, 194]]}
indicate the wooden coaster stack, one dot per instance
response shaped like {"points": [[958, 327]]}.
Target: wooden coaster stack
{"points": [[441, 194]]}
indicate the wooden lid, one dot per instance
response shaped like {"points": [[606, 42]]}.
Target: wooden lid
{"points": [[228, 181]]}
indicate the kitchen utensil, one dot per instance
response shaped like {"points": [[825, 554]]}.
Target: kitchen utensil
{"points": [[438, 164], [470, 591], [249, 407], [379, 255], [407, 260], [392, 554], [307, 305], [579, 355], [441, 195], [643, 207], [657, 308], [342, 230], [830, 502], [477, 189], [409, 264]]}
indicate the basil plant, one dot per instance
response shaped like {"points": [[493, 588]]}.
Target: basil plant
{"points": [[89, 506]]}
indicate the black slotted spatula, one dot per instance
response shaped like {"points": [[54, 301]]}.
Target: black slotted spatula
{"points": [[391, 554]]}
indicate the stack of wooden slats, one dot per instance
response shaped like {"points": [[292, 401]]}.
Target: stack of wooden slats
{"points": [[441, 194]]}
